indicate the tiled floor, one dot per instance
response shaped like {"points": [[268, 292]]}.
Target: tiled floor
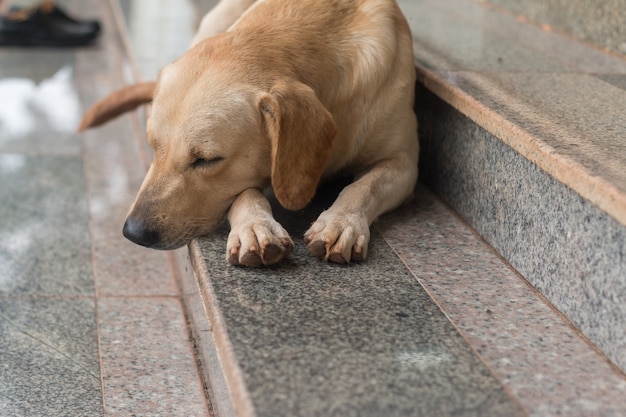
{"points": [[90, 324]]}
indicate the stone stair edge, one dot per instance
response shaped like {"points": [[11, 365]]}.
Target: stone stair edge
{"points": [[597, 190]]}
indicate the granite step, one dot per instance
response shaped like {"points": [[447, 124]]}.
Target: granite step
{"points": [[523, 134], [599, 23], [435, 323]]}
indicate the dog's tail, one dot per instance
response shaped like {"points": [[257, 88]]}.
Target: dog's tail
{"points": [[117, 103]]}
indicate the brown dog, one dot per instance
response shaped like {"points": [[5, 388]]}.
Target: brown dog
{"points": [[293, 92]]}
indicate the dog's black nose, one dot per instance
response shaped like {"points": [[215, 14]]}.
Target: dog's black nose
{"points": [[136, 231]]}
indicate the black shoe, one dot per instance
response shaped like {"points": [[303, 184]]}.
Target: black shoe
{"points": [[49, 28], [55, 12]]}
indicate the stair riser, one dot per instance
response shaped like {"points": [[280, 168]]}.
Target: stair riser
{"points": [[567, 248]]}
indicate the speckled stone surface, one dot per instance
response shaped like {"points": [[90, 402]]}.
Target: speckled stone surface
{"points": [[561, 122], [49, 358], [90, 325], [462, 35], [146, 356], [44, 243], [555, 101], [212, 367], [564, 246], [542, 178], [533, 350], [598, 22], [318, 339]]}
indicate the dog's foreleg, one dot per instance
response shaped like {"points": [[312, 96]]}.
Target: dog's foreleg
{"points": [[220, 18], [341, 233], [255, 237]]}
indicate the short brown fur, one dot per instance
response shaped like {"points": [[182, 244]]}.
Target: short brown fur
{"points": [[292, 93]]}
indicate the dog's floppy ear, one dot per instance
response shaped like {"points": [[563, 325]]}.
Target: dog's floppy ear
{"points": [[116, 103], [301, 131]]}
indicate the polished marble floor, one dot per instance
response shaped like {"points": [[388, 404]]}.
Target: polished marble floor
{"points": [[89, 324]]}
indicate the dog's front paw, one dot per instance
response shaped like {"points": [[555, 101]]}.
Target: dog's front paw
{"points": [[338, 238], [258, 243]]}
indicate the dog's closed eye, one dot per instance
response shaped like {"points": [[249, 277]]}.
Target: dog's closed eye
{"points": [[200, 162]]}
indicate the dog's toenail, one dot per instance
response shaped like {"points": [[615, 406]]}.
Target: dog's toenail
{"points": [[272, 254], [251, 259], [317, 248], [337, 258]]}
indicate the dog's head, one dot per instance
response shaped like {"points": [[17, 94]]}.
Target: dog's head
{"points": [[214, 135]]}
